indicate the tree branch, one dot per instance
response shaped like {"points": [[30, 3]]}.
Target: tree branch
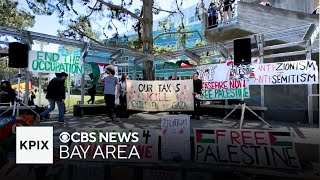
{"points": [[122, 9], [171, 12]]}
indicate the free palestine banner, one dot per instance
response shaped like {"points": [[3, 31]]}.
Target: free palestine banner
{"points": [[46, 62], [260, 148], [160, 95]]}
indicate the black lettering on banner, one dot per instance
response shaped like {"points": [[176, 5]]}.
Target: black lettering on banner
{"points": [[219, 157], [178, 87], [302, 65], [230, 153], [313, 77], [310, 64], [303, 78], [282, 156], [243, 147], [267, 156], [209, 154], [146, 135], [290, 157], [279, 65], [199, 150], [140, 87], [274, 79], [256, 153]]}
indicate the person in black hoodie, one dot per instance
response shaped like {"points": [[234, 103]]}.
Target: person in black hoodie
{"points": [[7, 93], [56, 93]]}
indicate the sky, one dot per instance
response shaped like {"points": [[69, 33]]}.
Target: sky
{"points": [[49, 24]]}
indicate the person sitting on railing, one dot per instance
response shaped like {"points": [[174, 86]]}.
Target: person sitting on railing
{"points": [[265, 3], [227, 10], [212, 15]]}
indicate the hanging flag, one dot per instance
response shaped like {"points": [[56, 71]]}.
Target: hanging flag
{"points": [[280, 139]]}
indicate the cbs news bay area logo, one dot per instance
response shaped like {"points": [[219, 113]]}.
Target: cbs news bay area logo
{"points": [[34, 145]]}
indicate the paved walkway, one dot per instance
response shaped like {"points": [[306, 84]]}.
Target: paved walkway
{"points": [[302, 133]]}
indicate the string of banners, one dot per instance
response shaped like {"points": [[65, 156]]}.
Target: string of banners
{"points": [[221, 81]]}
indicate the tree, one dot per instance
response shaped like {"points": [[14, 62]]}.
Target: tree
{"points": [[11, 16], [79, 25]]}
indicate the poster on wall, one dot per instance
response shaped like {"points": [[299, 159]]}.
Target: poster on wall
{"points": [[47, 62], [259, 148], [160, 95], [175, 137]]}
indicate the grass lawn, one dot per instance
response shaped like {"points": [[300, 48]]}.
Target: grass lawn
{"points": [[73, 101]]}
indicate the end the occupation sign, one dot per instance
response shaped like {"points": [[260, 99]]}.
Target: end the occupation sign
{"points": [[46, 62], [260, 148]]}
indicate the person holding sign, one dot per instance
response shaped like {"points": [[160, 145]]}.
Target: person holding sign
{"points": [[56, 93], [197, 86], [110, 84]]}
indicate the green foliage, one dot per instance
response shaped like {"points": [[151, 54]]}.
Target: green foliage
{"points": [[159, 50], [11, 16], [7, 73]]}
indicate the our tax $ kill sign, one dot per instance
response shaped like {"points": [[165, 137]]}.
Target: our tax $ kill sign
{"points": [[273, 149], [229, 89], [46, 62]]}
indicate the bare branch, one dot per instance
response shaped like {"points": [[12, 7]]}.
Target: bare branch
{"points": [[121, 9], [159, 9]]}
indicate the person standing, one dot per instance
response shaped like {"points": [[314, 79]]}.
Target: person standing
{"points": [[123, 94], [32, 97], [111, 83], [56, 93], [7, 94], [197, 86], [212, 15], [227, 10], [92, 92]]}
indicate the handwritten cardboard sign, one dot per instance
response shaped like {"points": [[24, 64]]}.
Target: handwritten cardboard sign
{"points": [[160, 95], [229, 89], [273, 149], [175, 137], [147, 147]]}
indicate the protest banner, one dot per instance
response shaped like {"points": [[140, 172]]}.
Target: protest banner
{"points": [[229, 89], [160, 95], [260, 148], [46, 62], [175, 137], [285, 73], [147, 147]]}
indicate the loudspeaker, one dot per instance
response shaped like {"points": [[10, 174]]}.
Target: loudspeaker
{"points": [[18, 55], [242, 51]]}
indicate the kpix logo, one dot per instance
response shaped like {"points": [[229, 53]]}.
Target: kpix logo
{"points": [[34, 145]]}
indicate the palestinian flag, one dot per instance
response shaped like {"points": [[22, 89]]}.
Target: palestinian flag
{"points": [[205, 136], [280, 139]]}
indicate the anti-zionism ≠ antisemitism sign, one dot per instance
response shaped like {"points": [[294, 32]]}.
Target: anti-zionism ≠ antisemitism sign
{"points": [[160, 95], [46, 62], [260, 148]]}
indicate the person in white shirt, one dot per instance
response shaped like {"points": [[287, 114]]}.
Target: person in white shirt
{"points": [[265, 3]]}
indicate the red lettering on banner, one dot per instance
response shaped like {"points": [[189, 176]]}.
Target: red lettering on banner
{"points": [[149, 95], [148, 152], [218, 134], [246, 137], [257, 138], [234, 136]]}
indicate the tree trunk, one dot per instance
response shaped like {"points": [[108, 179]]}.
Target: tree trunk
{"points": [[147, 37]]}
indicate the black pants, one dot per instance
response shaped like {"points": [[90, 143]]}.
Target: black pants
{"points": [[109, 100], [123, 100], [196, 108], [91, 99], [212, 21]]}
